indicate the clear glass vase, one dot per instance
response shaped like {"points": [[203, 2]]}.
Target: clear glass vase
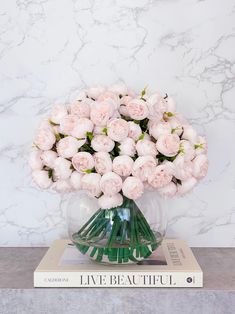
{"points": [[122, 235]]}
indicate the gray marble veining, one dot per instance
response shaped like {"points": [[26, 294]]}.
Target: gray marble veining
{"points": [[49, 49]]}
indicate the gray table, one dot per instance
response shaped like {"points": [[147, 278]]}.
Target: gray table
{"points": [[17, 294]]}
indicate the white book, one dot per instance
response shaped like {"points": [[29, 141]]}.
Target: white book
{"points": [[171, 265]]}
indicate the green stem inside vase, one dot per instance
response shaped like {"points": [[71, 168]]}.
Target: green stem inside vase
{"points": [[117, 235]]}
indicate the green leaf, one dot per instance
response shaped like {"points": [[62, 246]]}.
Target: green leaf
{"points": [[196, 146], [143, 92], [57, 136], [50, 172], [105, 131], [169, 114], [53, 123], [89, 135], [89, 170]]}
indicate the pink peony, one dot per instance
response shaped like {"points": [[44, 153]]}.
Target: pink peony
{"points": [[168, 190], [62, 186], [170, 104], [62, 169], [157, 129], [102, 143], [156, 106], [160, 176], [41, 178], [146, 147], [200, 145], [200, 166], [168, 144], [187, 150], [76, 180], [189, 133], [118, 129], [143, 167], [81, 108], [103, 162], [58, 112], [110, 183], [95, 91], [183, 169], [132, 188], [119, 89], [35, 161], [48, 157], [68, 146], [45, 139], [101, 112], [68, 124], [83, 161], [176, 126], [134, 130], [127, 147], [91, 183], [186, 186], [111, 98], [82, 127], [107, 202], [137, 109], [122, 165], [123, 102]]}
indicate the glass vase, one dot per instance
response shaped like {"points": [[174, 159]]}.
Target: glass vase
{"points": [[122, 235]]}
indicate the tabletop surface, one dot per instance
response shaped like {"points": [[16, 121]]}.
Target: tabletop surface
{"points": [[17, 294]]}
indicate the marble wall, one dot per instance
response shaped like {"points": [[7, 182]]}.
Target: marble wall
{"points": [[49, 49]]}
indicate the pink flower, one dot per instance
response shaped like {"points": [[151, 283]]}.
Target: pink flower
{"points": [[95, 91], [201, 145], [189, 133], [143, 167], [157, 129], [81, 108], [101, 112], [122, 165], [102, 143], [159, 177], [110, 97], [168, 144], [183, 169], [76, 180], [187, 150], [62, 169], [35, 161], [107, 202], [68, 124], [41, 178], [171, 105], [117, 129], [68, 146], [45, 139], [62, 186], [168, 190], [186, 186], [137, 109], [110, 183], [119, 89], [146, 147], [83, 161], [127, 147], [200, 166], [48, 157], [176, 126], [156, 106], [123, 102], [134, 130], [91, 183], [103, 162], [132, 188], [58, 112], [82, 127]]}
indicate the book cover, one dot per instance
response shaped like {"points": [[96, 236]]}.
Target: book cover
{"points": [[171, 265]]}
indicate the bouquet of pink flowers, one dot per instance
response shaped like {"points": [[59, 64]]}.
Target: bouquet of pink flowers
{"points": [[114, 144]]}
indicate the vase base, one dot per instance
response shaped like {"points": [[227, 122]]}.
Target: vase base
{"points": [[117, 254]]}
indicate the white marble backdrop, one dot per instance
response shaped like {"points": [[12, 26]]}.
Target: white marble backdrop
{"points": [[49, 49]]}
